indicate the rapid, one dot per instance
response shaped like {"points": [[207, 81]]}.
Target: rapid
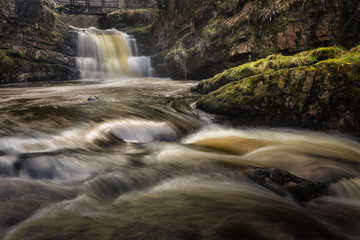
{"points": [[120, 154]]}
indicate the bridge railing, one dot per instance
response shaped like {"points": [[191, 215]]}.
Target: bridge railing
{"points": [[88, 6]]}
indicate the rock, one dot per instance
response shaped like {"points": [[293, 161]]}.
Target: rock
{"points": [[301, 189], [35, 44], [203, 38], [135, 4], [128, 18], [316, 89], [92, 99]]}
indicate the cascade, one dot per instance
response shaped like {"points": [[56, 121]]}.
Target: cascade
{"points": [[346, 188], [109, 54]]}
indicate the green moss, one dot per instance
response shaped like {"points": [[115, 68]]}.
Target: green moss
{"points": [[323, 53], [258, 94], [177, 49], [125, 19], [5, 61], [273, 63], [11, 67], [306, 89]]}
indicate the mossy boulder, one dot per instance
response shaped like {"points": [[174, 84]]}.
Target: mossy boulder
{"points": [[267, 65], [316, 89]]}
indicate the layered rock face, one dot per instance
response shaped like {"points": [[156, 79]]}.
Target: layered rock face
{"points": [[197, 39], [34, 44]]}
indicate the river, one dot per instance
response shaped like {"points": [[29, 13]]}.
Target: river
{"points": [[139, 162], [131, 158]]}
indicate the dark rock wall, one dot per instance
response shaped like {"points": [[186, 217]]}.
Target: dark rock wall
{"points": [[34, 44], [190, 39], [197, 39]]}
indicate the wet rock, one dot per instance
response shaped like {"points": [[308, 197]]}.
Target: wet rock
{"points": [[301, 189], [317, 89], [34, 43], [203, 38], [93, 99], [128, 18]]}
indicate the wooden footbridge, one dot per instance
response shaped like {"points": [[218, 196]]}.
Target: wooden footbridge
{"points": [[92, 7]]}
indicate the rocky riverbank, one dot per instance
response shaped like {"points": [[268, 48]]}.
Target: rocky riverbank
{"points": [[34, 44], [316, 89]]}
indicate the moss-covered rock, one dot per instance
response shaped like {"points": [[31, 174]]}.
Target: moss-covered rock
{"points": [[135, 4], [34, 43], [128, 18], [317, 89], [267, 65]]}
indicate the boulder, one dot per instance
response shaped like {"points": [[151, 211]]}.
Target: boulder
{"points": [[301, 189], [316, 89]]}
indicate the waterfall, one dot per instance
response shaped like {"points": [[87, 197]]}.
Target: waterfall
{"points": [[109, 54]]}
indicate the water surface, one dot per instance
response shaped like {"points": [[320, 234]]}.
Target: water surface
{"points": [[137, 161]]}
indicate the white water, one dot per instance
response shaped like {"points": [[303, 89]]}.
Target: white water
{"points": [[346, 188], [104, 54]]}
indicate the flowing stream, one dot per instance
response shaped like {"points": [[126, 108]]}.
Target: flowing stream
{"points": [[131, 158]]}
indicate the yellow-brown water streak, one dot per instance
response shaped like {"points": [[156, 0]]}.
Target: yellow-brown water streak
{"points": [[109, 54]]}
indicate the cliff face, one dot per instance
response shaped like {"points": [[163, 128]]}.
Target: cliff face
{"points": [[33, 43], [190, 39], [315, 89], [197, 39]]}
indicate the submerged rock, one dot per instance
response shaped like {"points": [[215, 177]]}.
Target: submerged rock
{"points": [[317, 89], [300, 189], [92, 99]]}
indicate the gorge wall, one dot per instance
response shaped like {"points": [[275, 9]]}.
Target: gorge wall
{"points": [[196, 39], [34, 44], [187, 39]]}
